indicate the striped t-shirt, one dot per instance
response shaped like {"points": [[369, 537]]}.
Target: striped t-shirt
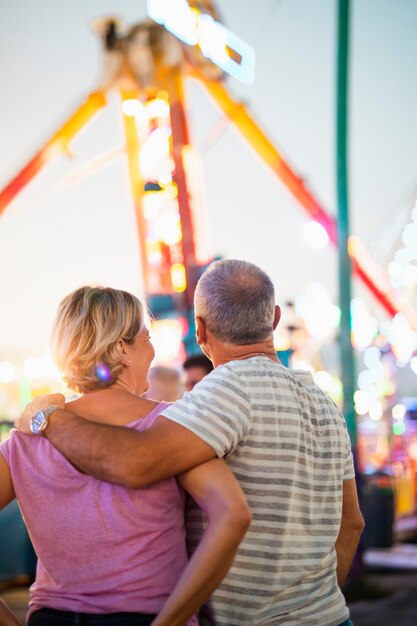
{"points": [[287, 444]]}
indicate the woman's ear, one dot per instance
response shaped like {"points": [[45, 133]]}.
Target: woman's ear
{"points": [[124, 352]]}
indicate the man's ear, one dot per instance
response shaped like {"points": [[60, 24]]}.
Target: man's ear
{"points": [[200, 331], [277, 316]]}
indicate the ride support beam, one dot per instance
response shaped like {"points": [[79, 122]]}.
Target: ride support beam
{"points": [[239, 117], [136, 183], [54, 147], [173, 82]]}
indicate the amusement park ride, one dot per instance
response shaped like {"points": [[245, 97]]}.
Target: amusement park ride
{"points": [[148, 65]]}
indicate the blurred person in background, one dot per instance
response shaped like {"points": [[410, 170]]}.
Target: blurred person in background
{"points": [[195, 367], [108, 555], [165, 384]]}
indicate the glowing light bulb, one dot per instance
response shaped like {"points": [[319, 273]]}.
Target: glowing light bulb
{"points": [[364, 326], [316, 235], [412, 450], [320, 315], [361, 402], [375, 411], [399, 428], [132, 107], [402, 338], [178, 277], [157, 108], [324, 380], [399, 411], [7, 372]]}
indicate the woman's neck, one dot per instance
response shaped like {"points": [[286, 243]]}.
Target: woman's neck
{"points": [[114, 405], [126, 386]]}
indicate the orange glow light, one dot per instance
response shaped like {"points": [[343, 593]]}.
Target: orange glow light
{"points": [[179, 281]]}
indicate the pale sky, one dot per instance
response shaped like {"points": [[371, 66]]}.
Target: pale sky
{"points": [[52, 240]]}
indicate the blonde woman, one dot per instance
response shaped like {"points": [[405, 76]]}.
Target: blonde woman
{"points": [[108, 555]]}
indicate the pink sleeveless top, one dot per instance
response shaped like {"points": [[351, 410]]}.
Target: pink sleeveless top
{"points": [[102, 548]]}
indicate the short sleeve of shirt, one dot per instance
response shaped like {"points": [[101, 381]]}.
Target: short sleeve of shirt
{"points": [[217, 410], [349, 468]]}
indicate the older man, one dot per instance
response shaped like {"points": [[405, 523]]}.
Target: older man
{"points": [[282, 436]]}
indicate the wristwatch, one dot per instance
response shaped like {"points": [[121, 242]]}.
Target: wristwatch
{"points": [[39, 421]]}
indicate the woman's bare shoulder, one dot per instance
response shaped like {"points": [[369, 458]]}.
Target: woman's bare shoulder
{"points": [[111, 407]]}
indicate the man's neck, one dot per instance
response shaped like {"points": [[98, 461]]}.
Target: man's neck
{"points": [[223, 353]]}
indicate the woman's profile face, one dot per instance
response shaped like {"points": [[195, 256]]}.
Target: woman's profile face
{"points": [[141, 354]]}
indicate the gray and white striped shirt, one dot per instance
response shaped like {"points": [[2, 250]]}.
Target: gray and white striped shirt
{"points": [[287, 443]]}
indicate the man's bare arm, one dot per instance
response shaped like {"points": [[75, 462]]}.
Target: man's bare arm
{"points": [[121, 455], [351, 528]]}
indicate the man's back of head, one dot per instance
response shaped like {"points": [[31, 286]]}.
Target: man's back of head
{"points": [[236, 300]]}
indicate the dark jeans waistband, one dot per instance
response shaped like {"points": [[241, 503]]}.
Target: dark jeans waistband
{"points": [[347, 623], [52, 617]]}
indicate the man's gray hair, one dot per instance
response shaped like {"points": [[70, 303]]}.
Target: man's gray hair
{"points": [[236, 300]]}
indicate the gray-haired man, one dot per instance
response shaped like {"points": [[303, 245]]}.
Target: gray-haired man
{"points": [[282, 436]]}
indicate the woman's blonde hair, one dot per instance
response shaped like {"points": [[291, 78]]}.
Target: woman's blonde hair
{"points": [[88, 325]]}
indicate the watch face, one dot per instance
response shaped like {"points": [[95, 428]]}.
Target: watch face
{"points": [[38, 422]]}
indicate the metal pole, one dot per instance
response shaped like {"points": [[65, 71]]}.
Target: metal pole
{"points": [[347, 356]]}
